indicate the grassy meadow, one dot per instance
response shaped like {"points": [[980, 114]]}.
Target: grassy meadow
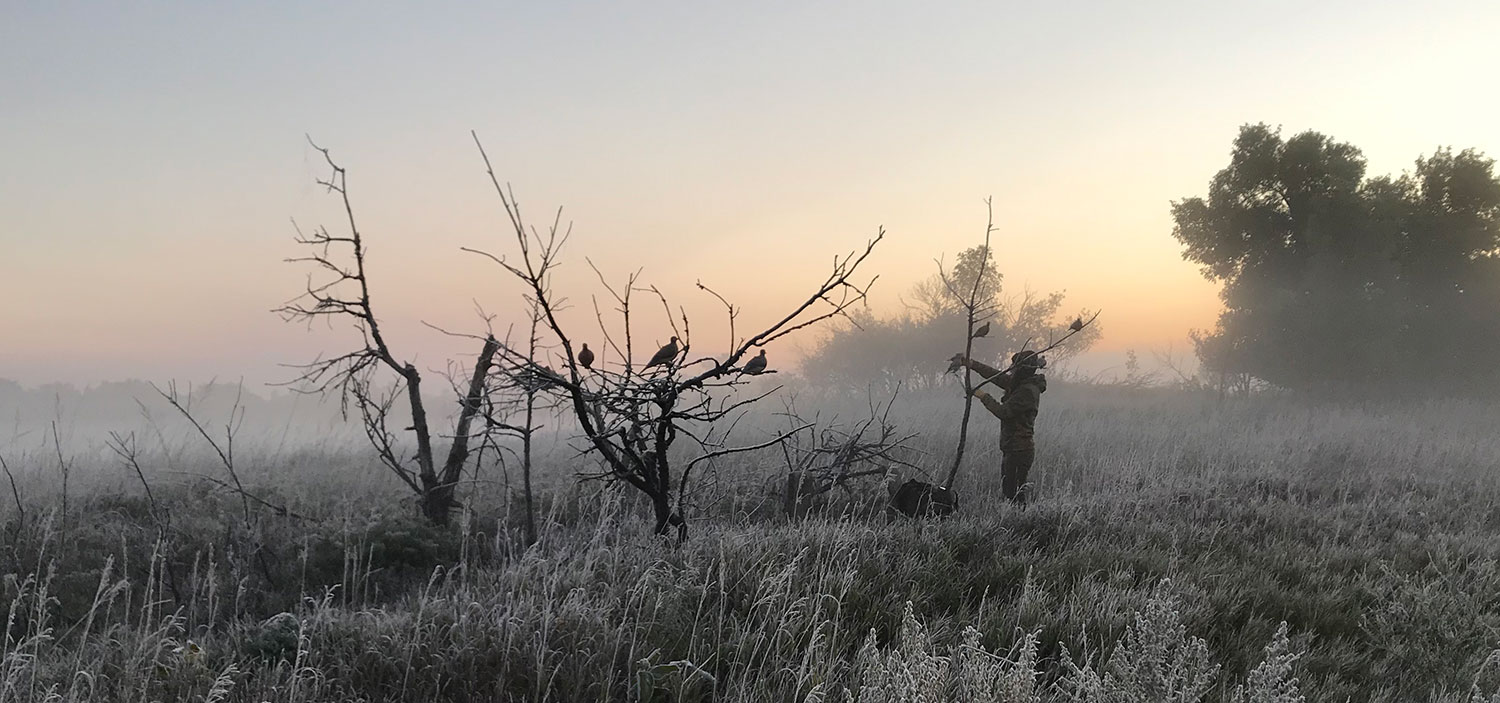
{"points": [[1172, 535]]}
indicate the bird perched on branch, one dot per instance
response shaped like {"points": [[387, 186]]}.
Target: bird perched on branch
{"points": [[1077, 324], [756, 366], [955, 362], [586, 357], [665, 355], [983, 330]]}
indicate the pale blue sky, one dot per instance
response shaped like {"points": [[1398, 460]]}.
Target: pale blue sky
{"points": [[151, 154]]}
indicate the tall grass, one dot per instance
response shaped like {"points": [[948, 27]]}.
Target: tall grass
{"points": [[1179, 549]]}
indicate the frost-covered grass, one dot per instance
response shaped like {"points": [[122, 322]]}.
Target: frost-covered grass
{"points": [[1181, 549]]}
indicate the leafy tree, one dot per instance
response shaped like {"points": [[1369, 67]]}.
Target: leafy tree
{"points": [[1449, 256], [930, 299], [1332, 280], [912, 348]]}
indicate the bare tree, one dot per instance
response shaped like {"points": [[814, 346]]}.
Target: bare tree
{"points": [[976, 308], [630, 415], [344, 294]]}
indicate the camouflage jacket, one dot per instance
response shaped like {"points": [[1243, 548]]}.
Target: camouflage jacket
{"points": [[1016, 409]]}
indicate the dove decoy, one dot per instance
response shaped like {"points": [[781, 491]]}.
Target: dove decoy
{"points": [[756, 366], [665, 355]]}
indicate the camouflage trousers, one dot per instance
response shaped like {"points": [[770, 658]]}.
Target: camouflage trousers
{"points": [[1014, 467]]}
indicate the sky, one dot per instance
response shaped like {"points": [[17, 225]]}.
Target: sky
{"points": [[153, 155]]}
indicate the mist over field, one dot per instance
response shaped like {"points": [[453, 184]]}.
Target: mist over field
{"points": [[1169, 527]]}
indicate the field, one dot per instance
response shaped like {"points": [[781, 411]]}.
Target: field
{"points": [[1172, 535]]}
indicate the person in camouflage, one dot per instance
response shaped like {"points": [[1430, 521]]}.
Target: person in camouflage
{"points": [[1022, 388]]}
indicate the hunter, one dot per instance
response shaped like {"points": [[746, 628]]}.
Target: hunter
{"points": [[1022, 388]]}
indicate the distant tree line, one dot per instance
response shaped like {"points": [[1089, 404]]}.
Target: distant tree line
{"points": [[1338, 282], [124, 402]]}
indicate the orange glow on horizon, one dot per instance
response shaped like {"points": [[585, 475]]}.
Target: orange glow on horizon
{"points": [[144, 201]]}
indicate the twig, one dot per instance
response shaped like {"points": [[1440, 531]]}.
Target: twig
{"points": [[280, 510], [124, 447], [62, 465], [16, 494], [735, 450]]}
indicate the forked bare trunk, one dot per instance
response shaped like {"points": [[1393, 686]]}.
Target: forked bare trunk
{"points": [[439, 491]]}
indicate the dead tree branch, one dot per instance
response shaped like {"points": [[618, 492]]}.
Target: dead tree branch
{"points": [[839, 453], [124, 446]]}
